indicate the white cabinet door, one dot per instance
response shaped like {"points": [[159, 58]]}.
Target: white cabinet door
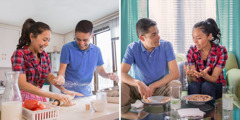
{"points": [[8, 42], [55, 43]]}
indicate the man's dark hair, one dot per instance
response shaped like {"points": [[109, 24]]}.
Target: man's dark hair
{"points": [[143, 25], [84, 26]]}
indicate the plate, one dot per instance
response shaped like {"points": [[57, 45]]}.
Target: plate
{"points": [[196, 102], [155, 100]]}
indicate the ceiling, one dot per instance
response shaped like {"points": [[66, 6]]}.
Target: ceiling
{"points": [[61, 15]]}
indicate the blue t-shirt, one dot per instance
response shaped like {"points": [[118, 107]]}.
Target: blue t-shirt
{"points": [[149, 67], [80, 66]]}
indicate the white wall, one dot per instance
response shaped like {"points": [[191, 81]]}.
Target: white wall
{"points": [[9, 39], [69, 37]]}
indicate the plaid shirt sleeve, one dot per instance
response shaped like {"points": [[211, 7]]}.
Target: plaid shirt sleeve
{"points": [[17, 60], [48, 62], [190, 57], [222, 58]]}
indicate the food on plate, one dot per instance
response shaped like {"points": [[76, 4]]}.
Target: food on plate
{"points": [[147, 100], [198, 98], [165, 100]]}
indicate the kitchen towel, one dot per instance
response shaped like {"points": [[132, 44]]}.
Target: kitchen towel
{"points": [[190, 112]]}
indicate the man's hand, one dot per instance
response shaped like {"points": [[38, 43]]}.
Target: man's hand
{"points": [[151, 90], [113, 77], [59, 80], [72, 93], [143, 89]]}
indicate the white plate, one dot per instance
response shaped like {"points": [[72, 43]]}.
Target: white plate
{"points": [[196, 102], [156, 100]]}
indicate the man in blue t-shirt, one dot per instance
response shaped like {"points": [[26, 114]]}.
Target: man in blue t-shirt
{"points": [[154, 65], [78, 61]]}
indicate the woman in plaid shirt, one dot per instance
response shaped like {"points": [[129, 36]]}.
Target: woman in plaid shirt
{"points": [[206, 60], [33, 63]]}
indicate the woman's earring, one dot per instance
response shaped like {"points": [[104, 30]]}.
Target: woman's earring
{"points": [[211, 39]]}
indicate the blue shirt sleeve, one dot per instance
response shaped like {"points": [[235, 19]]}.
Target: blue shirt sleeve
{"points": [[169, 52], [128, 56], [65, 55], [100, 59]]}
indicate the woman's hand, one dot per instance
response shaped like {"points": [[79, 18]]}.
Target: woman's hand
{"points": [[190, 74], [61, 97], [202, 73]]}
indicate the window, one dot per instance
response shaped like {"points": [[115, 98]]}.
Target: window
{"points": [[106, 37], [103, 41], [175, 19]]}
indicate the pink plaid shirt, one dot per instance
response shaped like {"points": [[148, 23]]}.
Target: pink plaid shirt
{"points": [[36, 72], [217, 57]]}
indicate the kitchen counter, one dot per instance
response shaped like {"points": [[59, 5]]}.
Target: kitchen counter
{"points": [[78, 111], [2, 90]]}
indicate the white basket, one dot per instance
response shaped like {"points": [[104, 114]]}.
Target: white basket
{"points": [[51, 113]]}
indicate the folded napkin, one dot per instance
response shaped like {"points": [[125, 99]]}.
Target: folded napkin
{"points": [[137, 104], [193, 112]]}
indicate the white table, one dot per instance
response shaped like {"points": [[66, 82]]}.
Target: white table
{"points": [[78, 111]]}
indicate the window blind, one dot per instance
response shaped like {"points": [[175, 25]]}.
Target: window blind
{"points": [[175, 19]]}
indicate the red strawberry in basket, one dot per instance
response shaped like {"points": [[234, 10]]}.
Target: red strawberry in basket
{"points": [[42, 106], [31, 104]]}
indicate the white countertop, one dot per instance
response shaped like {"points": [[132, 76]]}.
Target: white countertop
{"points": [[77, 112], [2, 90]]}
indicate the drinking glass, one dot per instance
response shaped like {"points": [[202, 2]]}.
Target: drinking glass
{"points": [[175, 96], [227, 98], [101, 96]]}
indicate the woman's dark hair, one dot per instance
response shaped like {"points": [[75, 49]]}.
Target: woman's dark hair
{"points": [[209, 26], [84, 26], [143, 25], [30, 26]]}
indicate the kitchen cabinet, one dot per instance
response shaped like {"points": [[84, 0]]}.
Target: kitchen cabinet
{"points": [[56, 43], [9, 36]]}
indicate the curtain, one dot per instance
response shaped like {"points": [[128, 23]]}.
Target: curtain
{"points": [[131, 12], [228, 18]]}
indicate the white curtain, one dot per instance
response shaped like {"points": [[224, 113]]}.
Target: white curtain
{"points": [[175, 19]]}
